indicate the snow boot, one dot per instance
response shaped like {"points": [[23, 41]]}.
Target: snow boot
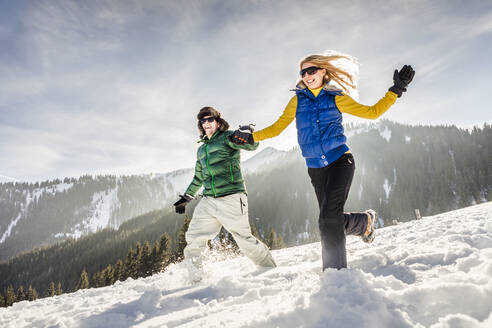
{"points": [[195, 270], [370, 233]]}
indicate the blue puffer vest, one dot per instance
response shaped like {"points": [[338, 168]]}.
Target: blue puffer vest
{"points": [[319, 127]]}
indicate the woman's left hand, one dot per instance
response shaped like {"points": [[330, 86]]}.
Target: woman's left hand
{"points": [[402, 79], [243, 135]]}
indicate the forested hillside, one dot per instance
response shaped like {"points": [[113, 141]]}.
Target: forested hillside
{"points": [[399, 168]]}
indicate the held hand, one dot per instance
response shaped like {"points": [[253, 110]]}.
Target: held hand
{"points": [[402, 79], [244, 135], [180, 205]]}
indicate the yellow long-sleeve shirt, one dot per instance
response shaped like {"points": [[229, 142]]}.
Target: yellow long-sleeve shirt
{"points": [[344, 103]]}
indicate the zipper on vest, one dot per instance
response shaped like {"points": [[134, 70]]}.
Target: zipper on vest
{"points": [[210, 171]]}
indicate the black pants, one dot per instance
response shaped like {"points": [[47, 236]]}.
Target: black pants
{"points": [[332, 184]]}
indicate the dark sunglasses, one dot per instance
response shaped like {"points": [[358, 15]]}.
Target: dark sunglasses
{"points": [[310, 70], [208, 119]]}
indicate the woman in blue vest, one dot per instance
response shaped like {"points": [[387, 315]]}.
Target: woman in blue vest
{"points": [[317, 107]]}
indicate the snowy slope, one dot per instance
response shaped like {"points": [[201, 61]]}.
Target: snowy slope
{"points": [[30, 196], [105, 203], [4, 179], [266, 159], [435, 272]]}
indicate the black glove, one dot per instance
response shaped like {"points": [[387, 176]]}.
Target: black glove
{"points": [[402, 79], [243, 135], [181, 203]]}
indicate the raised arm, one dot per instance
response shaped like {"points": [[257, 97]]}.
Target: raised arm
{"points": [[348, 105], [401, 79]]}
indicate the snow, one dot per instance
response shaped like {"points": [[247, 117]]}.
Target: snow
{"points": [[262, 161], [387, 188], [12, 224], [177, 182], [349, 133], [102, 203], [453, 161], [302, 236], [102, 207], [434, 272], [61, 187], [29, 198], [386, 134], [5, 179]]}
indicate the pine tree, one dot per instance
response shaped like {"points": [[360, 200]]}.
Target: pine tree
{"points": [[144, 263], [119, 270], [2, 301], [98, 279], [181, 243], [10, 297], [109, 275], [32, 294], [128, 264], [95, 280], [279, 242], [137, 254], [270, 239], [275, 241], [59, 289], [83, 281], [21, 295], [254, 231], [155, 258], [51, 291], [164, 254]]}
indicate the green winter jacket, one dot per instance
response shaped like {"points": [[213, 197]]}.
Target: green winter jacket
{"points": [[218, 166]]}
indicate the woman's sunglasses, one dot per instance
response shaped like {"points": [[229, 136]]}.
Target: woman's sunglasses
{"points": [[309, 70], [208, 119]]}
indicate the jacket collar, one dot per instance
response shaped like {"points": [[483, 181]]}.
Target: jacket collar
{"points": [[206, 140], [328, 88]]}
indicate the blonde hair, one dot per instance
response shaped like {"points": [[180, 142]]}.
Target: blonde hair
{"points": [[333, 73]]}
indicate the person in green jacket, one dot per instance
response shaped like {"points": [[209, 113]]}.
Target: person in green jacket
{"points": [[225, 202]]}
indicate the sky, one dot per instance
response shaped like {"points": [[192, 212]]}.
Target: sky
{"points": [[113, 87]]}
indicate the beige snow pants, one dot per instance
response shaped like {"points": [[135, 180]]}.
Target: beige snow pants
{"points": [[231, 212]]}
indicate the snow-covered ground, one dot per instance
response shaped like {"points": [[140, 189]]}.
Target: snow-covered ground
{"points": [[435, 272]]}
